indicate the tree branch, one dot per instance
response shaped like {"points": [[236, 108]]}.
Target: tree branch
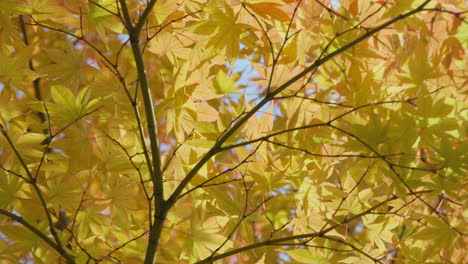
{"points": [[33, 182], [273, 242], [36, 231], [36, 82], [215, 149], [160, 208], [114, 70], [399, 177], [353, 247], [144, 16]]}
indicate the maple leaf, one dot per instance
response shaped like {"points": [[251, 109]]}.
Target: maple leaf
{"points": [[257, 131], [223, 30]]}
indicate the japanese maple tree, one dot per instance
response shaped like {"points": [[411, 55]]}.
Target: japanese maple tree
{"points": [[233, 131]]}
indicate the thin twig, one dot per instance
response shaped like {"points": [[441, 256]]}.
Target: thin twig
{"points": [[272, 242], [353, 247], [37, 232]]}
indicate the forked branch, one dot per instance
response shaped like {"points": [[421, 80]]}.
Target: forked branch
{"points": [[216, 148]]}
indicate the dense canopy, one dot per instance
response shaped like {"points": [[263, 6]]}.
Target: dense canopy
{"points": [[235, 131]]}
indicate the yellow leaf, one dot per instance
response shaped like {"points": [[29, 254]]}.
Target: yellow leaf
{"points": [[269, 9], [206, 113], [202, 143], [306, 256]]}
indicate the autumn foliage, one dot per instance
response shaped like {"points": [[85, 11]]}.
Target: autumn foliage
{"points": [[233, 131]]}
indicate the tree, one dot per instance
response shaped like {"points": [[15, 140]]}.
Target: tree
{"points": [[258, 131]]}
